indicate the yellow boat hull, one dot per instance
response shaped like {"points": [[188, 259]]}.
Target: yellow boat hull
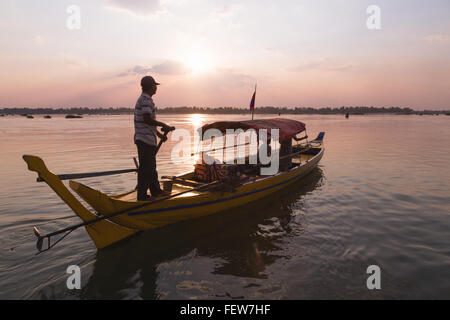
{"points": [[193, 205]]}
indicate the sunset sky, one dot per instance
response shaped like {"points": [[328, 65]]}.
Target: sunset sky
{"points": [[212, 52]]}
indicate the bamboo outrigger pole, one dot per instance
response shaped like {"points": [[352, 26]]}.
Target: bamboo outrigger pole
{"points": [[70, 176]]}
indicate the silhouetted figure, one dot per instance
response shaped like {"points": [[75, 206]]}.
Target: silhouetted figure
{"points": [[145, 134]]}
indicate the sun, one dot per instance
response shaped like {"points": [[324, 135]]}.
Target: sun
{"points": [[199, 62]]}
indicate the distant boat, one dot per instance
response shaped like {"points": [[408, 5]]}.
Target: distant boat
{"points": [[47, 117], [2, 115], [347, 115], [72, 116], [30, 117]]}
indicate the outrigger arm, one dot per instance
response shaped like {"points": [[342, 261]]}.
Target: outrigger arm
{"points": [[102, 232]]}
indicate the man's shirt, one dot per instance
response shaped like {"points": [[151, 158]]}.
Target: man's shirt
{"points": [[143, 131]]}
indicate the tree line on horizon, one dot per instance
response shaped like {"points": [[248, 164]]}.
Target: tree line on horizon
{"points": [[221, 110]]}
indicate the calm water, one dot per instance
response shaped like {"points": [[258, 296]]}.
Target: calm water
{"points": [[380, 196]]}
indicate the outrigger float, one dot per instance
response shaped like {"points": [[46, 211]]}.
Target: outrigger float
{"points": [[119, 216]]}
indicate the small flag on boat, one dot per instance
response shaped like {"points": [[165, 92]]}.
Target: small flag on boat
{"points": [[252, 102]]}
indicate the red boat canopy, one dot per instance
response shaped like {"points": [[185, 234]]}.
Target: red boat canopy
{"points": [[288, 128]]}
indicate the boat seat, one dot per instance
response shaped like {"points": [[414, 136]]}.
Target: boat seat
{"points": [[184, 182]]}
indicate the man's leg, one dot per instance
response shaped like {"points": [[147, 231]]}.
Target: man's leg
{"points": [[143, 173], [155, 188]]}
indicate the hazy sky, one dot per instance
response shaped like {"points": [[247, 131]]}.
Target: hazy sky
{"points": [[211, 53]]}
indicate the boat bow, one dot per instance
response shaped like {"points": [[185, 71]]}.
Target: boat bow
{"points": [[103, 232]]}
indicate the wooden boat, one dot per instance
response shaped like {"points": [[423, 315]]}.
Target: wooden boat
{"points": [[72, 116], [119, 216]]}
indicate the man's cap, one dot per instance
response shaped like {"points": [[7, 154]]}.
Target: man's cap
{"points": [[148, 81]]}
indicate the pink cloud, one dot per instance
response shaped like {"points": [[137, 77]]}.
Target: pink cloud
{"points": [[138, 7], [438, 38], [322, 64], [165, 68]]}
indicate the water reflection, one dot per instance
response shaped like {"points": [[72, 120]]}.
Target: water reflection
{"points": [[241, 242], [197, 120]]}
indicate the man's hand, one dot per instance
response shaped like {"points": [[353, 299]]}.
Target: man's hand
{"points": [[165, 128]]}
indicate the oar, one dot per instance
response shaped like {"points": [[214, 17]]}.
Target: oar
{"points": [[89, 174], [71, 176], [161, 141], [74, 227]]}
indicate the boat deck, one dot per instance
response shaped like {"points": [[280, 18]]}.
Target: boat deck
{"points": [[177, 187]]}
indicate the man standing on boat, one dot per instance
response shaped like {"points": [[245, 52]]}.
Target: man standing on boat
{"points": [[145, 134]]}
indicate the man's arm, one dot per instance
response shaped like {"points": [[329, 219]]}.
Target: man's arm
{"points": [[156, 123]]}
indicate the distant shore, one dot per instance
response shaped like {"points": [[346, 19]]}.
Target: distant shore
{"points": [[224, 110]]}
